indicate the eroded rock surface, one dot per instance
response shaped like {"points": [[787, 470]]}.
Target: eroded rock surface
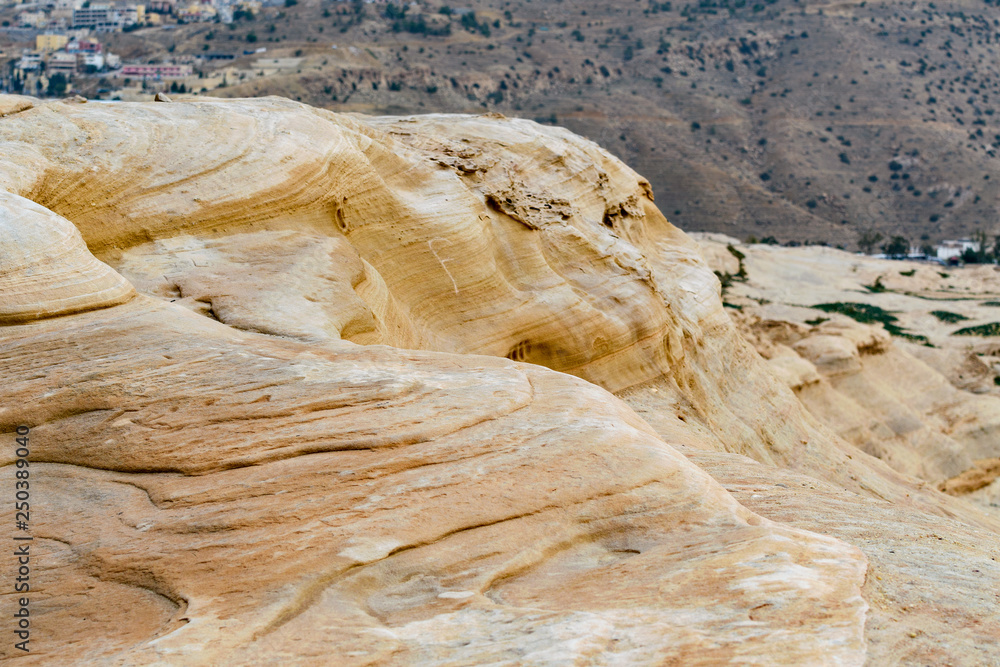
{"points": [[47, 270], [302, 439], [912, 394]]}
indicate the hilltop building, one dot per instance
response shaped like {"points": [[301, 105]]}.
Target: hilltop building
{"points": [[197, 11], [50, 42], [107, 17], [160, 6], [30, 62], [84, 46], [954, 249], [163, 71], [62, 62], [32, 19]]}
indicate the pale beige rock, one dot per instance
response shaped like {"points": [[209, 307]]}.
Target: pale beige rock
{"points": [[237, 492], [968, 365], [932, 582], [298, 285], [980, 475], [906, 404], [45, 268], [10, 104], [579, 272], [792, 369], [260, 473]]}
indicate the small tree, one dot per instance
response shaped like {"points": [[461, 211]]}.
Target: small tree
{"points": [[983, 254], [867, 238], [57, 85], [897, 247], [970, 256], [995, 250]]}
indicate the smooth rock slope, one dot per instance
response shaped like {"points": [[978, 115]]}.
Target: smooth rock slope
{"points": [[301, 439]]}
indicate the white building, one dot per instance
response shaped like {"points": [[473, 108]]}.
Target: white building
{"points": [[91, 60], [62, 10], [99, 17], [949, 249], [30, 62], [62, 62], [129, 15], [108, 18], [32, 19]]}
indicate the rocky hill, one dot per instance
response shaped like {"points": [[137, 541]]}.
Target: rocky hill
{"points": [[447, 389], [801, 120]]}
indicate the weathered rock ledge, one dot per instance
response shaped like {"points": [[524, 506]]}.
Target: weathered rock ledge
{"points": [[280, 412]]}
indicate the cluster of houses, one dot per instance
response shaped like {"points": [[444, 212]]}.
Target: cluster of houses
{"points": [[67, 54], [69, 14], [65, 41], [77, 52], [115, 17]]}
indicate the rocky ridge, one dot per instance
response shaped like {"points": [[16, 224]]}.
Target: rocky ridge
{"points": [[298, 435]]}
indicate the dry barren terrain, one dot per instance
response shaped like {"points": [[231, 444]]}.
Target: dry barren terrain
{"points": [[800, 120]]}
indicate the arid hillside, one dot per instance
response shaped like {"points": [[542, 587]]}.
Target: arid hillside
{"points": [[900, 358], [793, 119], [450, 389]]}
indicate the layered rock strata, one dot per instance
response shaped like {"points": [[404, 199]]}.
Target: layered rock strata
{"points": [[298, 440], [915, 395]]}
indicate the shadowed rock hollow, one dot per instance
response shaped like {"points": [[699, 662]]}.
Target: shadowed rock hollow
{"points": [[298, 436]]}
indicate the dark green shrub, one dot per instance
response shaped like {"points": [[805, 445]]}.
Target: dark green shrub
{"points": [[948, 317], [991, 329]]}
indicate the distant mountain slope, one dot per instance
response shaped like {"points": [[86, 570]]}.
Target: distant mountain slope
{"points": [[796, 119]]}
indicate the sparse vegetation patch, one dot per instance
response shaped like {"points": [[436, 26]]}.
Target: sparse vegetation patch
{"points": [[991, 329], [876, 286], [868, 314], [726, 278], [948, 317]]}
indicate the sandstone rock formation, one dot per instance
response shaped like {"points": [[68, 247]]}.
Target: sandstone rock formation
{"points": [[301, 438], [927, 405], [47, 270]]}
